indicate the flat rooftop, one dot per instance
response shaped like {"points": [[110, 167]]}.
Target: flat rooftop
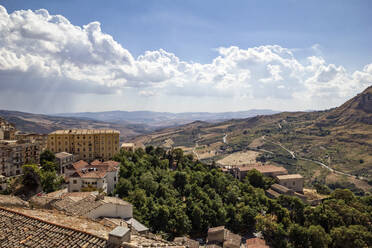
{"points": [[63, 154], [127, 145], [86, 131], [290, 176]]}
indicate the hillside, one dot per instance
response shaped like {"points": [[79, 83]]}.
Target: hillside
{"points": [[38, 123], [339, 138], [356, 110]]}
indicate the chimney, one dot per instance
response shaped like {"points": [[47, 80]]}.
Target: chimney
{"points": [[117, 236]]}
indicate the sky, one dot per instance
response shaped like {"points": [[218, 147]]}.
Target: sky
{"points": [[183, 56]]}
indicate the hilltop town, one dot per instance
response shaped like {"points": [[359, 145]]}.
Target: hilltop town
{"points": [[78, 208], [85, 188]]}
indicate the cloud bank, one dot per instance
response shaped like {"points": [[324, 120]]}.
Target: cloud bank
{"points": [[43, 52]]}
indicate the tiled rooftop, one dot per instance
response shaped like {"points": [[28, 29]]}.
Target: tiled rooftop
{"points": [[86, 131], [263, 168], [96, 169], [216, 229], [280, 188], [290, 176], [81, 203], [20, 230], [79, 208]]}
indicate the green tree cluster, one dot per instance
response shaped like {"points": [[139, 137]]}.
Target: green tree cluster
{"points": [[46, 174], [174, 194], [343, 220]]}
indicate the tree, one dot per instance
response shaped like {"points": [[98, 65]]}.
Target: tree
{"points": [[148, 183], [177, 154], [343, 194], [180, 180], [318, 237], [351, 236], [295, 206], [298, 236], [160, 218], [49, 181], [47, 156], [149, 149], [273, 231], [123, 187], [255, 178], [49, 166], [31, 176], [248, 215], [180, 223]]}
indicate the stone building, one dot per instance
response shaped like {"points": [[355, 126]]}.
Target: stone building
{"points": [[241, 171], [256, 243], [276, 190], [96, 175], [14, 154], [222, 237], [7, 130], [292, 181], [32, 137], [85, 144], [64, 160], [128, 147]]}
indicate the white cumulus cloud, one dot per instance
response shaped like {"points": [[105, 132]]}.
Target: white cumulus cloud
{"points": [[40, 51]]}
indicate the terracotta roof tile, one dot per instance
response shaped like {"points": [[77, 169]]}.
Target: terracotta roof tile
{"points": [[20, 230]]}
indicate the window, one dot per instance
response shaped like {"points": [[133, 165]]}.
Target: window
{"points": [[294, 183], [74, 182]]}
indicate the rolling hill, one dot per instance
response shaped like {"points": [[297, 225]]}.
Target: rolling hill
{"points": [[165, 119], [339, 138], [37, 123]]}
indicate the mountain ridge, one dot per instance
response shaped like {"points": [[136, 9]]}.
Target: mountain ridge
{"points": [[160, 119]]}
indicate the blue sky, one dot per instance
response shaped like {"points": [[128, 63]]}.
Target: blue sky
{"points": [[339, 33]]}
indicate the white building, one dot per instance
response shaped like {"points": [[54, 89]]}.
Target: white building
{"points": [[96, 175], [3, 183]]}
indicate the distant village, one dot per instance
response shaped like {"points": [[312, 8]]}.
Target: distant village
{"points": [[84, 158]]}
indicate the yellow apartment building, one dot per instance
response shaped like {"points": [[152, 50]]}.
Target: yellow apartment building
{"points": [[85, 144]]}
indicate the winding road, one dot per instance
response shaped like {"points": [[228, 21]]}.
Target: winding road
{"points": [[224, 138], [292, 153]]}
